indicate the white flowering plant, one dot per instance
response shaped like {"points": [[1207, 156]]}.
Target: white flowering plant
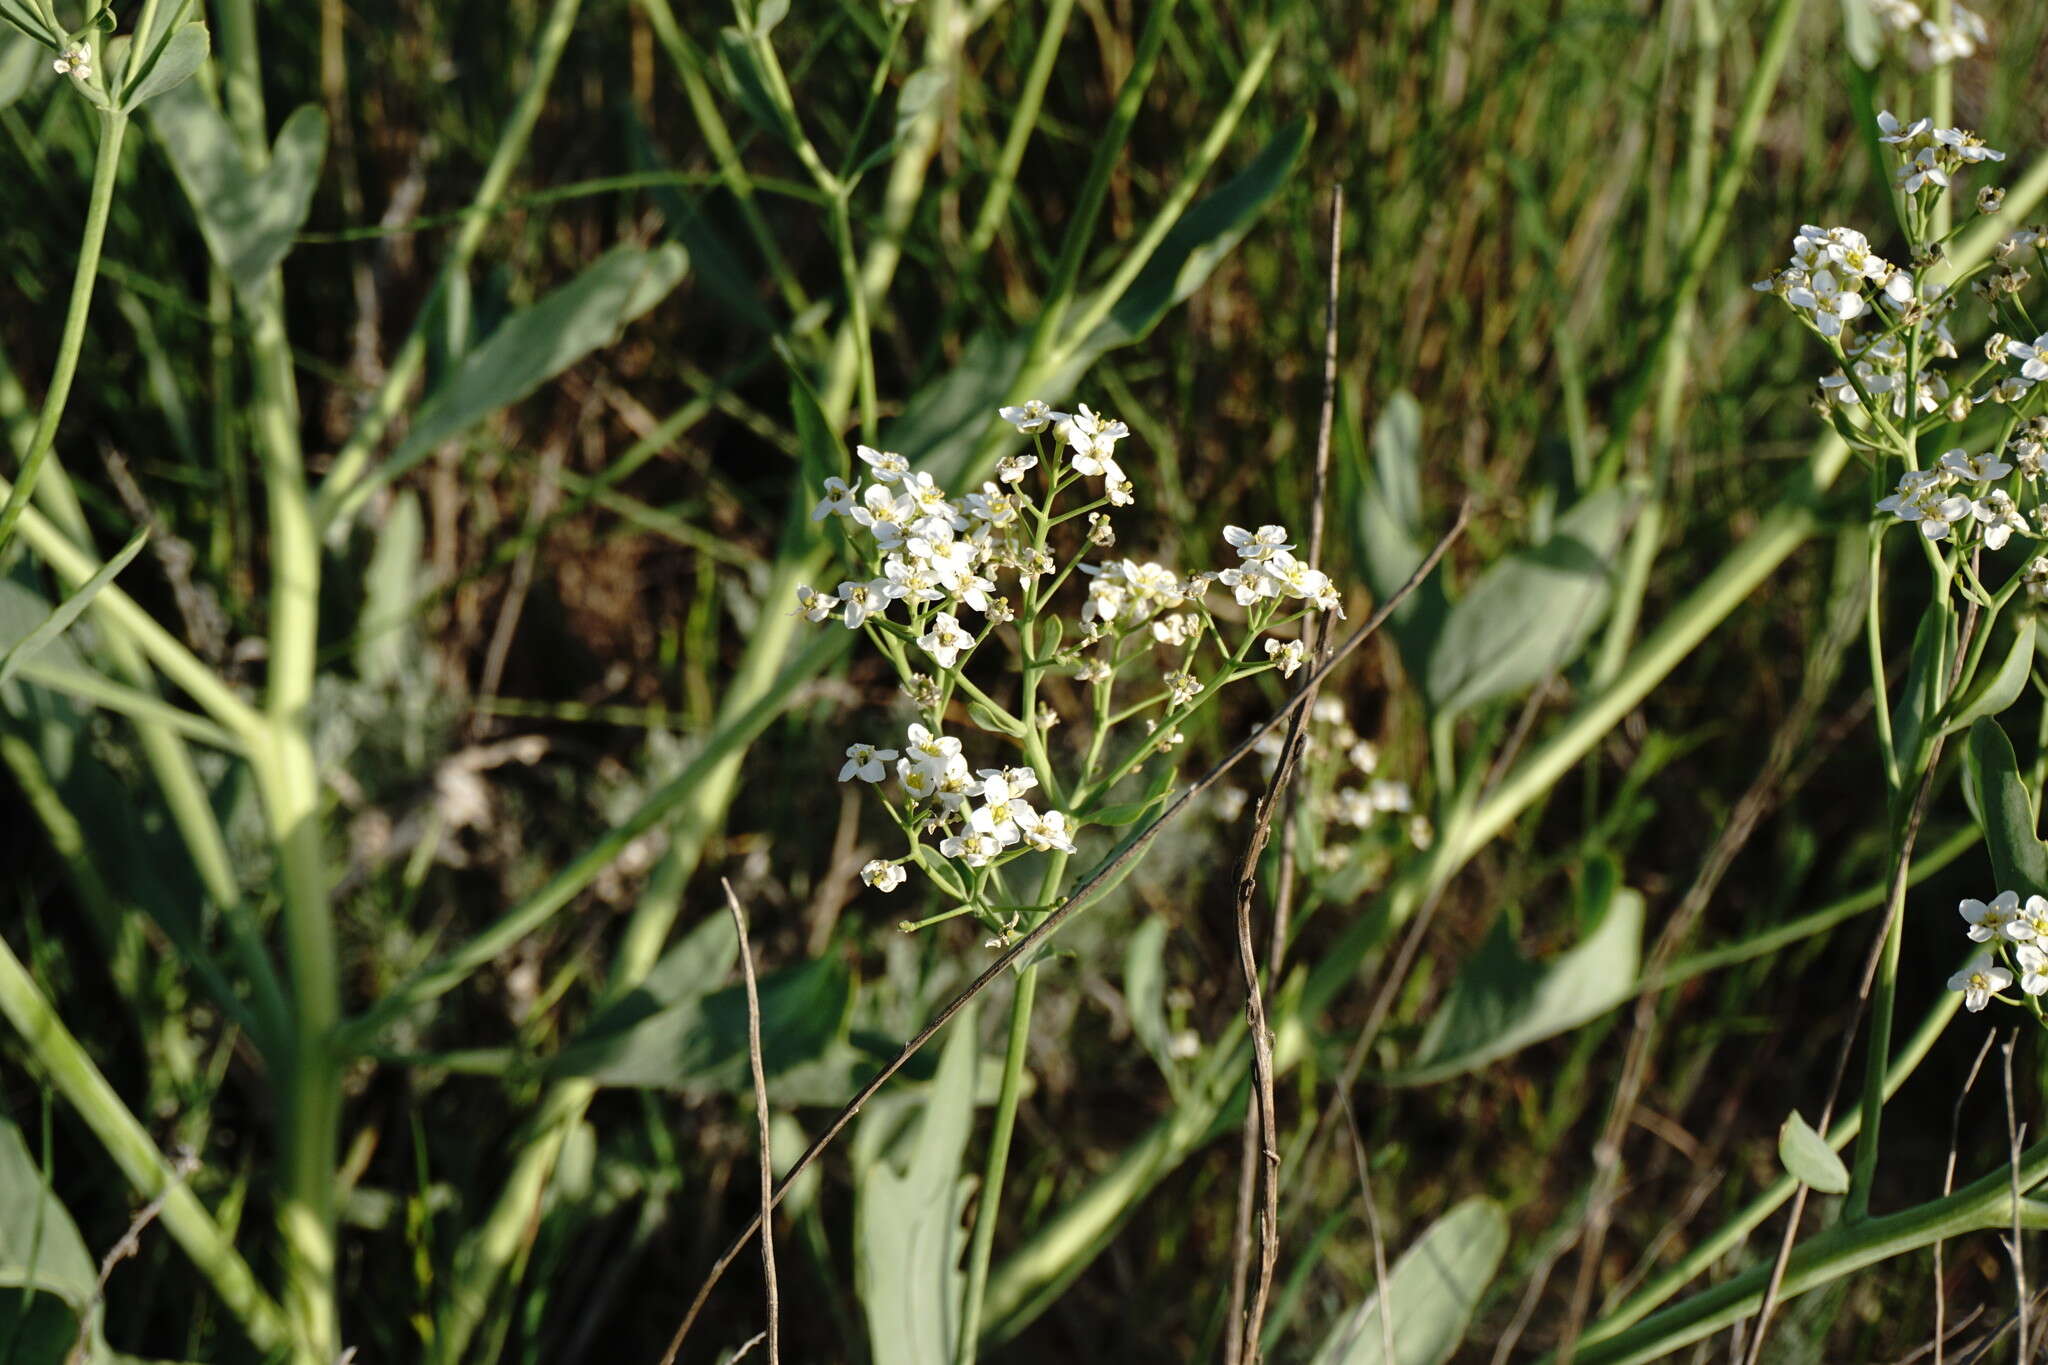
{"points": [[985, 603]]}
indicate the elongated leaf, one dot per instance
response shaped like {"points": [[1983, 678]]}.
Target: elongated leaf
{"points": [[945, 421], [392, 587], [1531, 613], [170, 64], [1808, 1157], [21, 59], [1434, 1289], [2019, 860], [2001, 674], [698, 1043], [1503, 1002], [907, 1220], [1862, 36], [39, 1244], [1914, 709], [1383, 484], [248, 221], [68, 610], [535, 344], [1145, 990]]}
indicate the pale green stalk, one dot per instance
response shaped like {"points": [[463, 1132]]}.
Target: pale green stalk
{"points": [[968, 1345], [132, 702], [76, 1078], [1756, 99], [105, 173], [340, 493], [1023, 122]]}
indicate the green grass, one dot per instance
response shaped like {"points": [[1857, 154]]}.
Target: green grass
{"points": [[557, 625]]}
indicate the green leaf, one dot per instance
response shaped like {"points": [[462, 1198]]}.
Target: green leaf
{"points": [[910, 1199], [676, 1033], [47, 1278], [171, 64], [69, 610], [1503, 1002], [21, 58], [1388, 538], [1530, 613], [1861, 35], [2001, 674], [747, 85], [1434, 1289], [392, 588], [988, 718], [2005, 809], [248, 221], [918, 94], [1808, 1157], [945, 421], [1914, 709], [1145, 991], [537, 343]]}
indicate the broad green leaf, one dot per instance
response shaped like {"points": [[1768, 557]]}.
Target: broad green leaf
{"points": [[946, 420], [1530, 614], [47, 1278], [21, 58], [248, 221], [1383, 487], [69, 610], [672, 1034], [919, 93], [537, 343], [910, 1198], [1145, 990], [392, 587], [1808, 1157], [19, 18], [1434, 1289], [1861, 34], [1503, 1002], [2001, 674], [2005, 808], [170, 64]]}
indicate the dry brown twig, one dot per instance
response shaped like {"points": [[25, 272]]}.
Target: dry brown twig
{"points": [[739, 924], [1261, 1145], [1104, 875], [1948, 1183], [129, 1244]]}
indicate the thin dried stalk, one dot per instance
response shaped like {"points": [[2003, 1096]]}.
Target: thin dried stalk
{"points": [[767, 1224]]}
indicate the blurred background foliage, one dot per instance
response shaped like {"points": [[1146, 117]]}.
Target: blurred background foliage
{"points": [[525, 636]]}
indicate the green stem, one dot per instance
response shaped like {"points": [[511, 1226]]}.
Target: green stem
{"points": [[1023, 122], [106, 171], [339, 492], [76, 1078], [967, 1347]]}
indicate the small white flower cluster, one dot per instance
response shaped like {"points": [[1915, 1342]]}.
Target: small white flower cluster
{"points": [[2017, 934], [1931, 155], [75, 60], [1090, 440], [1927, 497], [1930, 43], [1267, 569], [1339, 755], [934, 776]]}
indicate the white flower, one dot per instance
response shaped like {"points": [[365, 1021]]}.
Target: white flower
{"points": [[1259, 544], [1012, 468], [865, 762], [953, 783], [1389, 795], [883, 515], [2035, 355], [1985, 468], [1018, 780], [1092, 438], [838, 499], [1046, 833], [1988, 921], [864, 600], [1979, 980], [882, 876], [930, 750], [76, 61], [919, 781], [1288, 655], [1923, 169], [1830, 303], [1999, 517], [2030, 922], [1176, 629], [1364, 756], [814, 605], [2035, 576], [2033, 968], [887, 464], [1182, 688], [1890, 130], [1000, 812], [945, 640], [1032, 416], [970, 846], [1353, 807]]}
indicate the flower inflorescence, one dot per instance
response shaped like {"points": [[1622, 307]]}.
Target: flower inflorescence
{"points": [[937, 578]]}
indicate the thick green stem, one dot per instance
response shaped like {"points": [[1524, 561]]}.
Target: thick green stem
{"points": [[967, 1348], [106, 171], [72, 1072]]}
